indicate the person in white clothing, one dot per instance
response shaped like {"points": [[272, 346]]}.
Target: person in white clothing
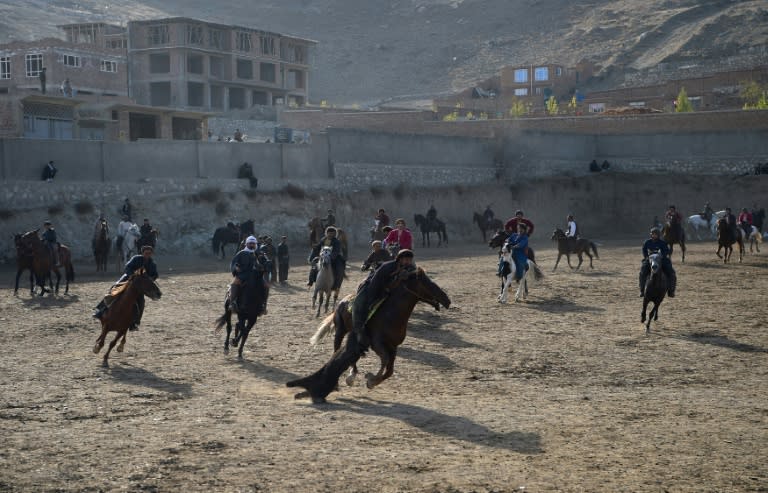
{"points": [[571, 232]]}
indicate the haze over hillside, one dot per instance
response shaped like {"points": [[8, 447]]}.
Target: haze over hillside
{"points": [[371, 51]]}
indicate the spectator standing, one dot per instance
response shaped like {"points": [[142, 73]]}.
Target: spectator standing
{"points": [[283, 259], [127, 209], [42, 80], [49, 172], [238, 135]]}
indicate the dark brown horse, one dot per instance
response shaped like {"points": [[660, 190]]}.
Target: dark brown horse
{"points": [[41, 262], [673, 232], [726, 238], [655, 290], [386, 329], [120, 315], [101, 247], [487, 226], [24, 261], [251, 305], [316, 231], [566, 246]]}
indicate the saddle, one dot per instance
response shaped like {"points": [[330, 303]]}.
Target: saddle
{"points": [[118, 288]]}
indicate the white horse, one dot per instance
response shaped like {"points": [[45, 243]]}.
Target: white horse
{"points": [[522, 288], [755, 238], [128, 248], [325, 279], [696, 223]]}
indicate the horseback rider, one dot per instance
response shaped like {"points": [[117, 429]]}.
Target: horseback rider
{"points": [[400, 236], [511, 226], [432, 214], [330, 219], [673, 217], [745, 221], [488, 214], [707, 213], [730, 219], [49, 240], [571, 232], [143, 261], [376, 286], [656, 244], [97, 229], [517, 244], [146, 228], [338, 262], [122, 230], [377, 256], [382, 218], [127, 209], [243, 263]]}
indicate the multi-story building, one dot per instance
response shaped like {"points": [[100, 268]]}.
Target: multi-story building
{"points": [[186, 63]]}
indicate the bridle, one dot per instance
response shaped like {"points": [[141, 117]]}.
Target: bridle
{"points": [[418, 272]]}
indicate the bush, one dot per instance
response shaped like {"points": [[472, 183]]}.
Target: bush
{"points": [[55, 210], [295, 191], [5, 214], [399, 191], [211, 194], [84, 207], [222, 208]]}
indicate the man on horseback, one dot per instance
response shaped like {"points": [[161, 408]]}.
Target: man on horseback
{"points": [[243, 263], [730, 219], [49, 240], [432, 214], [143, 261], [400, 236], [571, 232], [656, 244], [517, 243], [377, 256], [377, 286], [488, 214], [707, 213], [338, 262], [382, 218], [511, 226], [745, 221], [330, 219], [673, 217]]}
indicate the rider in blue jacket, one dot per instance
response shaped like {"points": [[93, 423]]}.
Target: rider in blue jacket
{"points": [[656, 245], [517, 243]]}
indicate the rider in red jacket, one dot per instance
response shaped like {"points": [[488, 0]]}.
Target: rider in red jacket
{"points": [[511, 225]]}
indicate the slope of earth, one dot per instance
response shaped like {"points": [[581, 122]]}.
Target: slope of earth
{"points": [[561, 393]]}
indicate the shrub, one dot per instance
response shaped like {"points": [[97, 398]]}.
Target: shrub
{"points": [[210, 194], [295, 191], [399, 191], [84, 207], [55, 210], [222, 208]]}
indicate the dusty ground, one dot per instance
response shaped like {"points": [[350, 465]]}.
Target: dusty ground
{"points": [[562, 393]]}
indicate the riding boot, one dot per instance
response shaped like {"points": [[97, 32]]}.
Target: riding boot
{"points": [[312, 275], [359, 314], [672, 285], [234, 293], [100, 309]]}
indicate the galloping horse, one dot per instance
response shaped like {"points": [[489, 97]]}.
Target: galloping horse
{"points": [[755, 238], [500, 238], [315, 226], [325, 280], [31, 243], [252, 304], [726, 239], [120, 315], [386, 328], [655, 290], [485, 226], [101, 247], [426, 226], [674, 233], [580, 246], [522, 289]]}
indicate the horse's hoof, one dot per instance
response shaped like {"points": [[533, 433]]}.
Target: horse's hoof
{"points": [[350, 380], [104, 364], [239, 357], [301, 395], [226, 350], [120, 348], [96, 349], [318, 400]]}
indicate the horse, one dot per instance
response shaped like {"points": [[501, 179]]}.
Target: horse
{"points": [[725, 240], [755, 238], [325, 280], [580, 246], [377, 231], [427, 227], [127, 247], [484, 225], [147, 239], [522, 289], [500, 238], [252, 304], [41, 263], [120, 314], [386, 328], [24, 261], [224, 235], [341, 235], [316, 230], [655, 290], [674, 233], [101, 247]]}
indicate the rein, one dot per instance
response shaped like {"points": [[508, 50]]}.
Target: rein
{"points": [[431, 301]]}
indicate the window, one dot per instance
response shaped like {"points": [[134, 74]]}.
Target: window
{"points": [[34, 63], [159, 63], [236, 98], [216, 66], [596, 107], [559, 71], [5, 67], [195, 34], [116, 44], [243, 41], [267, 72], [108, 66], [267, 45], [541, 73], [294, 53], [158, 35], [521, 75], [244, 69], [160, 93], [195, 64], [215, 39], [195, 94], [537, 90], [521, 92], [71, 61]]}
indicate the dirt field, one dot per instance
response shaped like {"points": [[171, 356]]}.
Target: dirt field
{"points": [[562, 393]]}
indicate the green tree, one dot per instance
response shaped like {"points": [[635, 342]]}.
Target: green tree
{"points": [[518, 108], [755, 96], [572, 105], [552, 107], [683, 103]]}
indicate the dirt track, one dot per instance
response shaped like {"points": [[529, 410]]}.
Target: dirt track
{"points": [[562, 393]]}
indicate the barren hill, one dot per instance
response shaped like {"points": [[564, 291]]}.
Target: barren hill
{"points": [[370, 51]]}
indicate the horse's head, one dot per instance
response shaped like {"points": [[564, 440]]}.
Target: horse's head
{"points": [[506, 253], [558, 234], [324, 259], [145, 285], [476, 218], [655, 260], [426, 290], [498, 239]]}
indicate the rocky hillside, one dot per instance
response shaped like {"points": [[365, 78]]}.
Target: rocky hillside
{"points": [[391, 50]]}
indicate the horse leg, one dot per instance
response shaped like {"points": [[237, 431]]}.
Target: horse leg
{"points": [[58, 280], [100, 340], [120, 334], [18, 276], [327, 300], [246, 330], [320, 304], [682, 251], [387, 357], [568, 258], [520, 293], [559, 255], [229, 331], [581, 260], [121, 346], [590, 259]]}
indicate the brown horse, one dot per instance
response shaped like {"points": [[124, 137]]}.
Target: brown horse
{"points": [[674, 233], [578, 246], [41, 262], [315, 226], [386, 329], [726, 239], [24, 261], [120, 315], [101, 247], [487, 226]]}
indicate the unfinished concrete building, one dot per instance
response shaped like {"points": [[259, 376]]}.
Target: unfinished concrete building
{"points": [[191, 64]]}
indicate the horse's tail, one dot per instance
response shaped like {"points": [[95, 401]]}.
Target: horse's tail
{"points": [[215, 244], [220, 322], [323, 381], [594, 248], [70, 269], [325, 328], [538, 275]]}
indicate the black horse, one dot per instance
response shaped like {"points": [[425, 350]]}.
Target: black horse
{"points": [[566, 246], [386, 330], [101, 246], [434, 226], [500, 238], [485, 225], [655, 290], [230, 234], [672, 233], [251, 305]]}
